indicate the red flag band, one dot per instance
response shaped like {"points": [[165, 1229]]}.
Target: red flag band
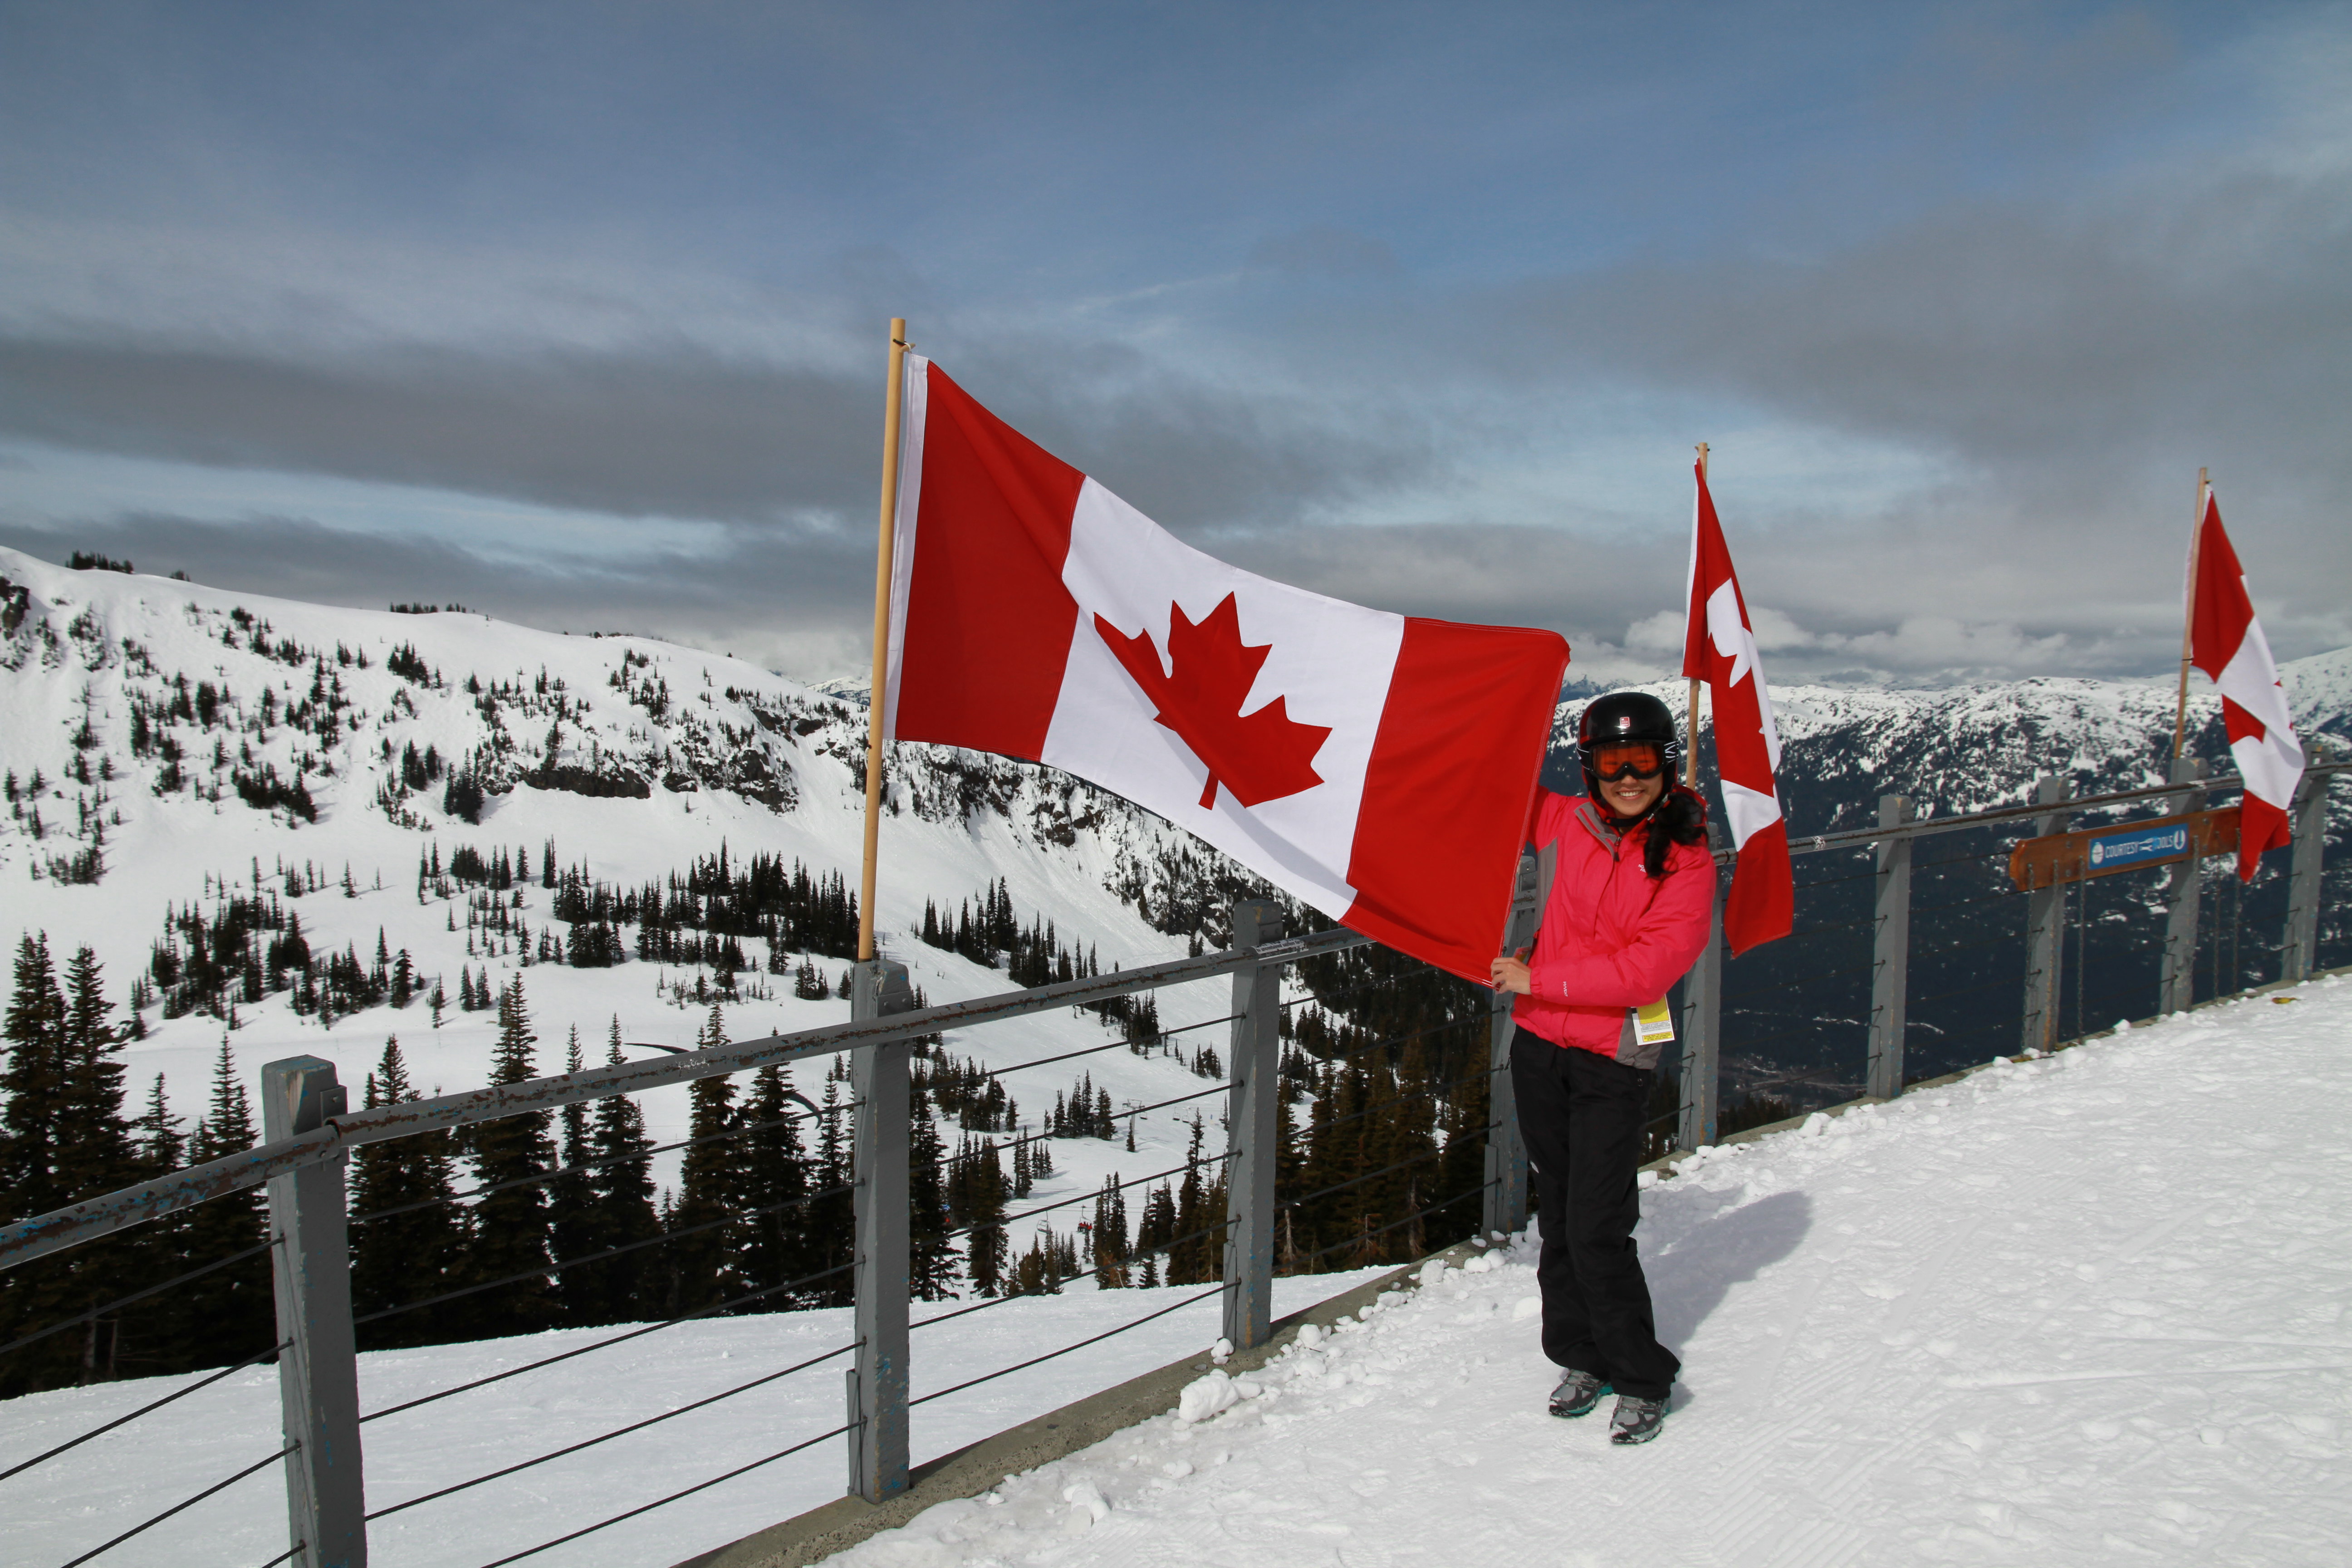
{"points": [[1377, 766], [2226, 642], [1719, 647]]}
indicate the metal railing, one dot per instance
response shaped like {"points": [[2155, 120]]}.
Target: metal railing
{"points": [[309, 1133]]}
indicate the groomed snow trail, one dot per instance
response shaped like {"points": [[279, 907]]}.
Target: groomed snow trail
{"points": [[2086, 1309]]}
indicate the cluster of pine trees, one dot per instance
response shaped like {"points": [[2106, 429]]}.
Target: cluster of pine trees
{"points": [[66, 1135], [552, 1218]]}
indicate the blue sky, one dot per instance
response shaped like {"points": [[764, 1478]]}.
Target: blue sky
{"points": [[575, 312]]}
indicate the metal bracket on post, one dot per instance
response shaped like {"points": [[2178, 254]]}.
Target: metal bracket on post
{"points": [[2181, 898], [1507, 1153], [1703, 1025], [1253, 1130], [877, 1384], [318, 1372], [1890, 986], [2045, 932], [2299, 950]]}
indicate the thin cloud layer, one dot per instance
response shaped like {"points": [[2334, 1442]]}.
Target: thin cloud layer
{"points": [[1963, 301]]}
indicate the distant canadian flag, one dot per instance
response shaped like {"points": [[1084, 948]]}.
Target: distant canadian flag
{"points": [[1719, 647], [1379, 767], [2226, 642]]}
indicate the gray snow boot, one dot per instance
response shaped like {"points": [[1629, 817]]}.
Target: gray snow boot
{"points": [[1578, 1393], [1636, 1420]]}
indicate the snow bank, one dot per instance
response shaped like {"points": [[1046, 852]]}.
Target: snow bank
{"points": [[2086, 1309]]}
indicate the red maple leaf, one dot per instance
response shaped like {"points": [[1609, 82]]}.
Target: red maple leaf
{"points": [[1258, 757]]}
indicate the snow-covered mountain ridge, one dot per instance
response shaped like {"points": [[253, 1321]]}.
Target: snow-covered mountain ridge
{"points": [[187, 741], [170, 746]]}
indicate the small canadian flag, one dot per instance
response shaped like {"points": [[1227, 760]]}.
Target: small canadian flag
{"points": [[2226, 642], [1377, 766], [1719, 647]]}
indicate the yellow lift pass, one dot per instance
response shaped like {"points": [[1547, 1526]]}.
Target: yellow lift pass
{"points": [[1653, 1024]]}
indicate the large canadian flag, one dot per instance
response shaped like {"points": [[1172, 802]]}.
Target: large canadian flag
{"points": [[1719, 647], [1378, 767], [2226, 642]]}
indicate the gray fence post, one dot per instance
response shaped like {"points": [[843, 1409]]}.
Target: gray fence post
{"points": [[878, 1384], [1890, 985], [318, 1372], [1703, 1025], [1253, 1130], [2299, 951], [1507, 1156], [2045, 933], [2181, 900]]}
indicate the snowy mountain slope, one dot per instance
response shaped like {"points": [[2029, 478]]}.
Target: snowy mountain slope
{"points": [[1970, 748], [635, 757], [2087, 1310], [632, 757]]}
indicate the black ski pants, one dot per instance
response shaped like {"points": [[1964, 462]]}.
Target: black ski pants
{"points": [[1580, 1114]]}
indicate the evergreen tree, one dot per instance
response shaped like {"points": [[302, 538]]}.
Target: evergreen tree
{"points": [[833, 1216], [34, 1082], [976, 1193], [627, 1287], [931, 1268], [95, 1152], [707, 1232], [232, 1311], [1193, 1258], [407, 1255], [150, 1336], [776, 1246], [1109, 1233], [570, 1202], [510, 1228]]}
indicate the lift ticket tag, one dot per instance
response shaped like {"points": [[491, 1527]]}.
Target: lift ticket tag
{"points": [[1653, 1024]]}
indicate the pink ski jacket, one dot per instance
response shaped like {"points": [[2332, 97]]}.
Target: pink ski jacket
{"points": [[1612, 938]]}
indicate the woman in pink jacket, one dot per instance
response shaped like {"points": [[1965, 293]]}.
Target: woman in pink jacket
{"points": [[1630, 887]]}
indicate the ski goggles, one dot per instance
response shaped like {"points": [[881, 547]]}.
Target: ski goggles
{"points": [[1628, 759]]}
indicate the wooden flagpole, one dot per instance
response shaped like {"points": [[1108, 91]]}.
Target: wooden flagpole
{"points": [[1690, 753], [893, 408], [2189, 617]]}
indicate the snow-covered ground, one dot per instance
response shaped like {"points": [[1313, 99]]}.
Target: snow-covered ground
{"points": [[50, 1515], [2088, 1309]]}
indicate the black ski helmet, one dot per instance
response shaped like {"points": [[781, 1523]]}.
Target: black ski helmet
{"points": [[1620, 717]]}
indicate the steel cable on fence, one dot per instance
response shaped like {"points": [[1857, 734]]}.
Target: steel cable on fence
{"points": [[559, 1266], [206, 1382], [1800, 980], [1489, 1070], [1842, 925], [1054, 1287], [1966, 946], [1404, 1039], [1085, 1196], [197, 1273], [1130, 1110], [658, 1502], [561, 1171], [617, 1432], [185, 1503], [1063, 1350], [1923, 910], [1360, 1239], [698, 1312]]}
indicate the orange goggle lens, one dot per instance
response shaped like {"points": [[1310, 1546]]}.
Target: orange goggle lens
{"points": [[1640, 760]]}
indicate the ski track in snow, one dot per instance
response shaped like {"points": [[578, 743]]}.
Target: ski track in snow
{"points": [[2088, 1309]]}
